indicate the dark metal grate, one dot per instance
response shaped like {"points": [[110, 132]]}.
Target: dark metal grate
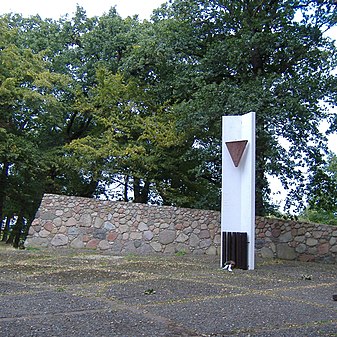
{"points": [[235, 248]]}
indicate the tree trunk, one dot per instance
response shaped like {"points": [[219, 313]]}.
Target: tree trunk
{"points": [[3, 183], [17, 229], [6, 229], [141, 194], [16, 232], [126, 188]]}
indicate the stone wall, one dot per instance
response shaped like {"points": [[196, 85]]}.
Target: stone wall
{"points": [[292, 240], [117, 227], [121, 227]]}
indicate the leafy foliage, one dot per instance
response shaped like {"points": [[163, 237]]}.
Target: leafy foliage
{"points": [[88, 104], [254, 56], [28, 107]]}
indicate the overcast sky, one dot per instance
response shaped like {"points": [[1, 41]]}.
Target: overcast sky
{"points": [[55, 9]]}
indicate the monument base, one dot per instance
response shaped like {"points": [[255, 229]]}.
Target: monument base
{"points": [[235, 248]]}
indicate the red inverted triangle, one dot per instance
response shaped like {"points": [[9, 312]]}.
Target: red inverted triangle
{"points": [[236, 149]]}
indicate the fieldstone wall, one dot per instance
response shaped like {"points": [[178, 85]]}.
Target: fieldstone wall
{"points": [[119, 228], [292, 240]]}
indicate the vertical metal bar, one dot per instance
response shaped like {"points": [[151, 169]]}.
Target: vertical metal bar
{"points": [[235, 247], [232, 240], [243, 251], [224, 247], [228, 245], [237, 251]]}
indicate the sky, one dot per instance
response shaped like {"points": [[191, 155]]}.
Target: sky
{"points": [[55, 9]]}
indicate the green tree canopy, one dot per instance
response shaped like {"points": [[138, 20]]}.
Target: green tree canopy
{"points": [[210, 58], [322, 201], [28, 111], [103, 101]]}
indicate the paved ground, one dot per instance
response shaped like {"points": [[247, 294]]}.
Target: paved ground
{"points": [[45, 293]]}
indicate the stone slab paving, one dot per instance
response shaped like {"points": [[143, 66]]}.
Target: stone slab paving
{"points": [[166, 291], [248, 313], [83, 293]]}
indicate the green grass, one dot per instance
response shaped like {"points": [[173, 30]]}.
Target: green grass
{"points": [[180, 253]]}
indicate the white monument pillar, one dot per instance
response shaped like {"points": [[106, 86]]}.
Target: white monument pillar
{"points": [[238, 189]]}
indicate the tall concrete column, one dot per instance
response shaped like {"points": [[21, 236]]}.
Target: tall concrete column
{"points": [[238, 181]]}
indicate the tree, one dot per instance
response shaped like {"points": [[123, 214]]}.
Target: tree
{"points": [[110, 100], [60, 43], [132, 136], [322, 201], [28, 108], [76, 47], [209, 58], [140, 160]]}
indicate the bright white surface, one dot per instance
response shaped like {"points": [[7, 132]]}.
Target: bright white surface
{"points": [[238, 183], [56, 9]]}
